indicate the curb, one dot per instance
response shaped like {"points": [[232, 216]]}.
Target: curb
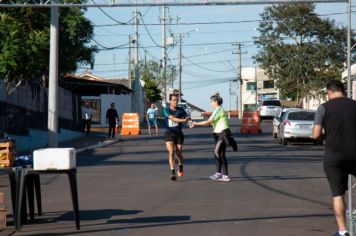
{"points": [[99, 145]]}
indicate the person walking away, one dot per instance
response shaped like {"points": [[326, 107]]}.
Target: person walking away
{"points": [[87, 116], [112, 117], [222, 137], [151, 117], [337, 118], [174, 116]]}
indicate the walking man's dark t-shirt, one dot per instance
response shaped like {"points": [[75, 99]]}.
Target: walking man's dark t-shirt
{"points": [[338, 118]]}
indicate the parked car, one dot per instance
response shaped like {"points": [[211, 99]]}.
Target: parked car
{"points": [[296, 125], [186, 107], [278, 118], [269, 108]]}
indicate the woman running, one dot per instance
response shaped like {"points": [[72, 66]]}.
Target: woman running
{"points": [[222, 136], [173, 118]]}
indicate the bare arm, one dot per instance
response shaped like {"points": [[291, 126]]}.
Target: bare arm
{"points": [[178, 120], [202, 123], [317, 131]]}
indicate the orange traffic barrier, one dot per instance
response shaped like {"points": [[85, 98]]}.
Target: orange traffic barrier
{"points": [[7, 153], [130, 124], [251, 123]]}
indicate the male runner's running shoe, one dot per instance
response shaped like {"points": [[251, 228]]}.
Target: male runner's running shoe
{"points": [[173, 177], [180, 171], [337, 234], [224, 178], [215, 176]]}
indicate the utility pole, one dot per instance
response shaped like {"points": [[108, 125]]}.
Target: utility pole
{"points": [[53, 81], [239, 80], [145, 59], [129, 63], [229, 112], [349, 94], [164, 19], [256, 92], [138, 89], [180, 67]]}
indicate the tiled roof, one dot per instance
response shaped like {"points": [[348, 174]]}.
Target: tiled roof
{"points": [[123, 82]]}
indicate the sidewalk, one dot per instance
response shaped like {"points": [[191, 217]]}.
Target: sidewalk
{"points": [[94, 140]]}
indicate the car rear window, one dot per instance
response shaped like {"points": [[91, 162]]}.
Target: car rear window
{"points": [[271, 103], [301, 116]]}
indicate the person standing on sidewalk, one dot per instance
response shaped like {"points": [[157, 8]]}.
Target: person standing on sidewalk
{"points": [[338, 119], [222, 136], [112, 117], [151, 117], [174, 116], [87, 116]]}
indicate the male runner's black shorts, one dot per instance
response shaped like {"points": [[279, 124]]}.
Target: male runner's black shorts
{"points": [[176, 137], [337, 172]]}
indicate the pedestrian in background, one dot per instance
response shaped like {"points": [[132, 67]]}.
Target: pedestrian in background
{"points": [[174, 116], [111, 118], [222, 136], [337, 118], [151, 117], [87, 116]]}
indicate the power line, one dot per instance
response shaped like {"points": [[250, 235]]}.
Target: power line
{"points": [[233, 22], [148, 32], [118, 22], [205, 68], [109, 48]]}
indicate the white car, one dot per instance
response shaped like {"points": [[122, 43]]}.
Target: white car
{"points": [[278, 118], [186, 107], [296, 125], [269, 108]]}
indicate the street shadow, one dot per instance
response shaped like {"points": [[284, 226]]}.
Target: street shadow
{"points": [[85, 215], [164, 221]]}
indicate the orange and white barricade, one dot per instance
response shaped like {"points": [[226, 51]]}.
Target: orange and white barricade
{"points": [[251, 123], [130, 124]]}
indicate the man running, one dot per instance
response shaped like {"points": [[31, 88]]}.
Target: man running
{"points": [[173, 118]]}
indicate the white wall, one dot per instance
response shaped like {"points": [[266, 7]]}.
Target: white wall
{"points": [[312, 103], [122, 104]]}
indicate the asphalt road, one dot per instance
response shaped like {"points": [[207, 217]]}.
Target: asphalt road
{"points": [[125, 189]]}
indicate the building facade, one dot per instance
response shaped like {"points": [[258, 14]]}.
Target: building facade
{"points": [[256, 87]]}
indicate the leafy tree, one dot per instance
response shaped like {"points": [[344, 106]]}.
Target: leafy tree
{"points": [[300, 50], [153, 93], [24, 43]]}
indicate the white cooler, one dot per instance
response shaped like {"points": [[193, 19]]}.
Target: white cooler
{"points": [[54, 159]]}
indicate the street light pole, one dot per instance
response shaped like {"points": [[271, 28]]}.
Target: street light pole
{"points": [[164, 103]]}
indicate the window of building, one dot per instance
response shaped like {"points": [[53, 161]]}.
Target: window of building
{"points": [[268, 84], [251, 86]]}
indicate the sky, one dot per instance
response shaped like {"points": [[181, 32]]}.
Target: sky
{"points": [[209, 62]]}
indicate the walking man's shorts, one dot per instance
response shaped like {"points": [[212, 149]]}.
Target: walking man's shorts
{"points": [[337, 172]]}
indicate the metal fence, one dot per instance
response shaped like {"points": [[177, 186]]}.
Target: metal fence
{"points": [[26, 107]]}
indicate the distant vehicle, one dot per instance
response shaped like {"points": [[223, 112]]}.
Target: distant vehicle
{"points": [[269, 108], [186, 107], [296, 125], [278, 118]]}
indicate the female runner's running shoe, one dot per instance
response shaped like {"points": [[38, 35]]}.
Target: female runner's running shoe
{"points": [[215, 176]]}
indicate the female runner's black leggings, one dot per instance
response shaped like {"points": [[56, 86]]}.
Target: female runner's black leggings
{"points": [[219, 153]]}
